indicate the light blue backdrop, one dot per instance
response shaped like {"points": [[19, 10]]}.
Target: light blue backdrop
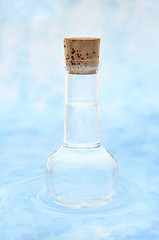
{"points": [[32, 82]]}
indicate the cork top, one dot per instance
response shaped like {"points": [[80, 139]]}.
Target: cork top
{"points": [[82, 38], [82, 55]]}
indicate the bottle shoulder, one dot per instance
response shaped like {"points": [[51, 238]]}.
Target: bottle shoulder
{"points": [[82, 156]]}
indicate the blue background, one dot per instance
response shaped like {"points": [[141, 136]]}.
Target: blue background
{"points": [[32, 83]]}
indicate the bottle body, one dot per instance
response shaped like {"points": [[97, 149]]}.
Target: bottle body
{"points": [[81, 173], [81, 178]]}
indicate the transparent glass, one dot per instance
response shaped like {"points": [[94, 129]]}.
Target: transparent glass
{"points": [[81, 174]]}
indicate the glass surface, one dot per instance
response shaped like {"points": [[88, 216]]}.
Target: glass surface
{"points": [[81, 174]]}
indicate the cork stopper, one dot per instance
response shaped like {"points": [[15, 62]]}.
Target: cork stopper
{"points": [[82, 55]]}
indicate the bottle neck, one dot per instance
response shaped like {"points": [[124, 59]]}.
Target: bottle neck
{"points": [[81, 125]]}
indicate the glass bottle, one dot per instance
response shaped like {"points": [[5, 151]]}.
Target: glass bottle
{"points": [[81, 173]]}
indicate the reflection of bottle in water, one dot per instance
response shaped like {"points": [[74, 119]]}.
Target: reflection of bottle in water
{"points": [[81, 173]]}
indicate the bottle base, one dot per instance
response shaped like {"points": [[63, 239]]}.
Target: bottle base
{"points": [[80, 203]]}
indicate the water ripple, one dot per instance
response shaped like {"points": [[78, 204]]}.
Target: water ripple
{"points": [[32, 196]]}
